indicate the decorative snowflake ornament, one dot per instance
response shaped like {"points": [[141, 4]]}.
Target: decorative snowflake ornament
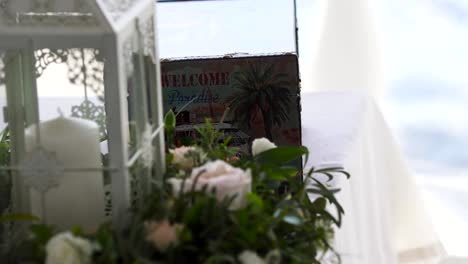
{"points": [[41, 170]]}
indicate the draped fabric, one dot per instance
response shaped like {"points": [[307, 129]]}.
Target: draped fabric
{"points": [[386, 221], [348, 55]]}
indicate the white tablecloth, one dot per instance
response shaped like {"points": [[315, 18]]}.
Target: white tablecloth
{"points": [[385, 221]]}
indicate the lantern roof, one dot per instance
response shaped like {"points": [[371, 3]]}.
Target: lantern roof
{"points": [[69, 17]]}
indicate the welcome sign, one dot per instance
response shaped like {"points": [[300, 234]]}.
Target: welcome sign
{"points": [[246, 97]]}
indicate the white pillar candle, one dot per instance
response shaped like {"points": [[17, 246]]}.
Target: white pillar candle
{"points": [[79, 200]]}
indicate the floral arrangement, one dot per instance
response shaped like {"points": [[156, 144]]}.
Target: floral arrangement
{"points": [[213, 207]]}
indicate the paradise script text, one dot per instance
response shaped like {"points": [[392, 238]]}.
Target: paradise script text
{"points": [[205, 96]]}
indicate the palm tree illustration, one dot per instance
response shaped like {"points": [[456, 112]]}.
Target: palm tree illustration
{"points": [[261, 89]]}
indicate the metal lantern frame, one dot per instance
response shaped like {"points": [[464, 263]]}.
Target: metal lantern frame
{"points": [[119, 33]]}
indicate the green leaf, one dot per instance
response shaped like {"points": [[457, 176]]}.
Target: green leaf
{"points": [[42, 233], [348, 176], [18, 217], [328, 171], [275, 173], [170, 120], [255, 201], [331, 169], [5, 134], [226, 141], [290, 171], [77, 231], [320, 203], [330, 196], [220, 258], [281, 155]]}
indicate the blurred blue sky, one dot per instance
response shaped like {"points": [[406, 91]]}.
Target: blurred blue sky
{"points": [[425, 45], [427, 61]]}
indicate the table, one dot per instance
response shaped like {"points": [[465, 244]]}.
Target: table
{"points": [[385, 220]]}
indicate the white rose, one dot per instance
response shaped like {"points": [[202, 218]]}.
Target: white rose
{"points": [[260, 145], [67, 248], [182, 157], [224, 178], [250, 257]]}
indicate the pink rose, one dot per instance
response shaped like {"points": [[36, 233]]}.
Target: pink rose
{"points": [[184, 157], [162, 234], [227, 180]]}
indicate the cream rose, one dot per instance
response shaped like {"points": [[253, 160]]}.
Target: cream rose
{"points": [[162, 234], [182, 157], [260, 145], [67, 248], [224, 178]]}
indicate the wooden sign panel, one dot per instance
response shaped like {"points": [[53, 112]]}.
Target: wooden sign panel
{"points": [[246, 97]]}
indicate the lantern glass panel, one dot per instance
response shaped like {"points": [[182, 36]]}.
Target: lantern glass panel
{"points": [[137, 95], [139, 123], [11, 127], [72, 85], [69, 85], [3, 100], [5, 176], [151, 91], [133, 114]]}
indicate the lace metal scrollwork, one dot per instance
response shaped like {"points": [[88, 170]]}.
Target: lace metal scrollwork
{"points": [[128, 51], [118, 7], [148, 34], [5, 12], [89, 110], [85, 67], [108, 201], [44, 12], [45, 57]]}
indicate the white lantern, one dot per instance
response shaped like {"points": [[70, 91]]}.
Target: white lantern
{"points": [[108, 51]]}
